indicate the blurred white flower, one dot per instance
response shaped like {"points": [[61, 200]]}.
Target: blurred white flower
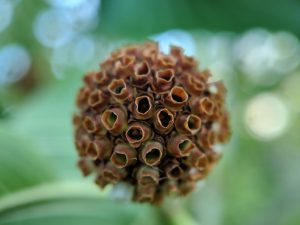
{"points": [[14, 63], [264, 57], [79, 54], [6, 14], [266, 116], [52, 28], [65, 3], [175, 37], [82, 14]]}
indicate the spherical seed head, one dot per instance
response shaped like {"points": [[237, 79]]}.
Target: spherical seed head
{"points": [[151, 120]]}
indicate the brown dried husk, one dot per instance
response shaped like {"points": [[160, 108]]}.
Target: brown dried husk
{"points": [[139, 87]]}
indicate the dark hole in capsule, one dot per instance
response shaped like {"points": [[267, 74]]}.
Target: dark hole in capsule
{"points": [[135, 133], [164, 118], [175, 172], [166, 75], [177, 98], [120, 159], [119, 89], [192, 123], [143, 105], [153, 155], [147, 180], [112, 119], [89, 124], [143, 69], [184, 145]]}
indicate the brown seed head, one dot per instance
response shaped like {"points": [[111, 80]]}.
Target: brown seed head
{"points": [[151, 120]]}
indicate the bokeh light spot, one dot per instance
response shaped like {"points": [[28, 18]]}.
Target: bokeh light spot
{"points": [[266, 116]]}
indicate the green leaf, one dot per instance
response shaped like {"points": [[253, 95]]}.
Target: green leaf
{"points": [[20, 166], [46, 119], [74, 203]]}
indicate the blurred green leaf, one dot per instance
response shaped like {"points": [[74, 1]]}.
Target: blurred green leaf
{"points": [[46, 119], [74, 203], [20, 165]]}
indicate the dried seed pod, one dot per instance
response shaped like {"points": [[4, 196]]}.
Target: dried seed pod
{"points": [[142, 74], [125, 66], [114, 120], [164, 80], [206, 138], [173, 170], [193, 85], [96, 99], [93, 125], [151, 120], [123, 155], [101, 78], [176, 98], [147, 176], [188, 124], [163, 120], [83, 96], [180, 146], [143, 107], [119, 90], [152, 153], [137, 133], [186, 186], [202, 106], [144, 194], [85, 166], [197, 159], [99, 149], [110, 174]]}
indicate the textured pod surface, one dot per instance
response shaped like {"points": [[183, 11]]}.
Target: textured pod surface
{"points": [[151, 120]]}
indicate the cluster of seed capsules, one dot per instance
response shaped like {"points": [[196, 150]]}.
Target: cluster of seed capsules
{"points": [[151, 120]]}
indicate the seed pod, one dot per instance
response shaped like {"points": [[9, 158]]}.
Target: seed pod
{"points": [[176, 98], [197, 159], [143, 107], [137, 133], [85, 166], [110, 174], [97, 100], [186, 186], [99, 149], [202, 106], [196, 174], [114, 120], [142, 74], [147, 176], [93, 125], [81, 145], [125, 66], [123, 155], [206, 138], [151, 153], [82, 97], [173, 170], [144, 194], [119, 90], [101, 78], [193, 85], [188, 124], [180, 146], [164, 80], [150, 120], [165, 61], [163, 120]]}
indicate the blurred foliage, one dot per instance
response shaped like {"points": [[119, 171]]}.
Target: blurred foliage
{"points": [[256, 182]]}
